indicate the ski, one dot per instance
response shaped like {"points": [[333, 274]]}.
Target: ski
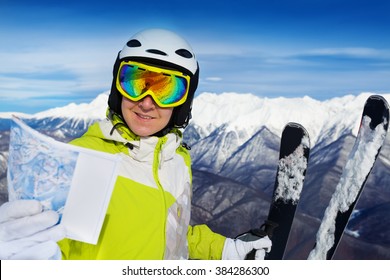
{"points": [[292, 165], [370, 138]]}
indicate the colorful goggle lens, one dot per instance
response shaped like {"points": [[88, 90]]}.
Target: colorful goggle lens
{"points": [[168, 88]]}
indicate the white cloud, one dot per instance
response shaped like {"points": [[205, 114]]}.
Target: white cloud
{"points": [[12, 88], [57, 67], [214, 79], [352, 52]]}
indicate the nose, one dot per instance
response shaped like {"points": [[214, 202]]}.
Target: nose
{"points": [[147, 103]]}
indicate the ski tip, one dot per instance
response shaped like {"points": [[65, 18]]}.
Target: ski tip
{"points": [[377, 109], [296, 126], [379, 100], [299, 129]]}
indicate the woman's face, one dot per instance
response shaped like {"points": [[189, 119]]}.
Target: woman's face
{"points": [[145, 117]]}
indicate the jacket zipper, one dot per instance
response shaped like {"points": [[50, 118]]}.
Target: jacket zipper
{"points": [[157, 162]]}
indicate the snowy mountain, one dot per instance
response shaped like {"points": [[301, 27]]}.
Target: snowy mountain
{"points": [[235, 145], [244, 113]]}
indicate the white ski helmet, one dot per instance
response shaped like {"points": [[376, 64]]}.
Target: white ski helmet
{"points": [[163, 45], [165, 49]]}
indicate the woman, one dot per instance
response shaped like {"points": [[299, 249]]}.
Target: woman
{"points": [[154, 80]]}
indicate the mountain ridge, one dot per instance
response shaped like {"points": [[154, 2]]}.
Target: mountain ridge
{"points": [[241, 112]]}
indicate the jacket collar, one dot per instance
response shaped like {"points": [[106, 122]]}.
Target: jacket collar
{"points": [[140, 148]]}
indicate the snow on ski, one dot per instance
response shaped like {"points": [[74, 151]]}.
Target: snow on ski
{"points": [[291, 172], [370, 138], [293, 160]]}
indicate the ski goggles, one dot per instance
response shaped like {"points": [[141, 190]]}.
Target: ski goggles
{"points": [[168, 88]]}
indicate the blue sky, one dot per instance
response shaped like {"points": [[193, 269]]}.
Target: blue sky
{"points": [[54, 53]]}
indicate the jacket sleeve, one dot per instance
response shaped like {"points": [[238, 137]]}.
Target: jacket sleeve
{"points": [[204, 244]]}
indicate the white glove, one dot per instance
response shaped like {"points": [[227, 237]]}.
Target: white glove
{"points": [[236, 249], [28, 233]]}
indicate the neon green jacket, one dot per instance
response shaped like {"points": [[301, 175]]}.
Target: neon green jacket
{"points": [[149, 212]]}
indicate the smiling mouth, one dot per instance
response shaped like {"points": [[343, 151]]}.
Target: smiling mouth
{"points": [[144, 117]]}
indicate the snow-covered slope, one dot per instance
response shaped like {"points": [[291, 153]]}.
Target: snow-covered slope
{"points": [[246, 113], [84, 111]]}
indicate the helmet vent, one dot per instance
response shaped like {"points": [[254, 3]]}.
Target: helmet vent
{"points": [[184, 53], [156, 52], [133, 43]]}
